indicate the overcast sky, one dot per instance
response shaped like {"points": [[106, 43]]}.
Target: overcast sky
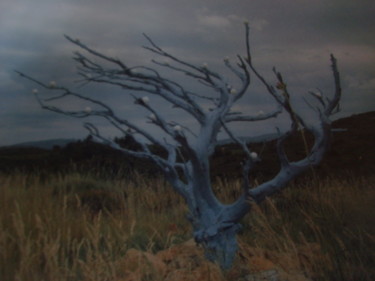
{"points": [[296, 36]]}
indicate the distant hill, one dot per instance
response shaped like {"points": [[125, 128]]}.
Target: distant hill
{"points": [[44, 144], [352, 153]]}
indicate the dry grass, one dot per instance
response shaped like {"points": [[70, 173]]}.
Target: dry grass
{"points": [[76, 227], [62, 229], [328, 226]]}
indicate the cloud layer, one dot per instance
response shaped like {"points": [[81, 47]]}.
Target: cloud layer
{"points": [[295, 36]]}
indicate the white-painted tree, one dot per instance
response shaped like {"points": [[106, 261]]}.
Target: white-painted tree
{"points": [[215, 224]]}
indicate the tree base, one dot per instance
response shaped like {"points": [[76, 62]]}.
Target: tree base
{"points": [[220, 244]]}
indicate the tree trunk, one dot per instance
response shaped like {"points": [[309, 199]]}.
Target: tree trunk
{"points": [[217, 236], [213, 228]]}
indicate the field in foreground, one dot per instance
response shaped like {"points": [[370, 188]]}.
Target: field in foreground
{"points": [[81, 227]]}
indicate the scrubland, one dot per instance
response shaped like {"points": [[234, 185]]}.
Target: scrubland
{"points": [[77, 226]]}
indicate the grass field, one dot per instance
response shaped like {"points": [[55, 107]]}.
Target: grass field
{"points": [[77, 227]]}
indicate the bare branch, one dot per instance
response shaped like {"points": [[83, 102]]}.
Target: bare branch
{"points": [[204, 71], [334, 104], [127, 78], [186, 163], [97, 54], [252, 157], [289, 170]]}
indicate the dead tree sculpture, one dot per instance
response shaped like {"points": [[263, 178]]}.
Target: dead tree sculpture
{"points": [[215, 224]]}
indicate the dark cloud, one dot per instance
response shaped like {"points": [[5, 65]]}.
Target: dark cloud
{"points": [[295, 36]]}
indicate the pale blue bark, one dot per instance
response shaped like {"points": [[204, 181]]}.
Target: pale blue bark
{"points": [[215, 224]]}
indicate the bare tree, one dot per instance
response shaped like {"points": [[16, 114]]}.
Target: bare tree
{"points": [[215, 224]]}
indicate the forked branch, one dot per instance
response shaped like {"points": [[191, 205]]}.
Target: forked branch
{"points": [[186, 161]]}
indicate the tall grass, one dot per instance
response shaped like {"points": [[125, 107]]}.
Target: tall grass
{"points": [[75, 227], [78, 227], [328, 226]]}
